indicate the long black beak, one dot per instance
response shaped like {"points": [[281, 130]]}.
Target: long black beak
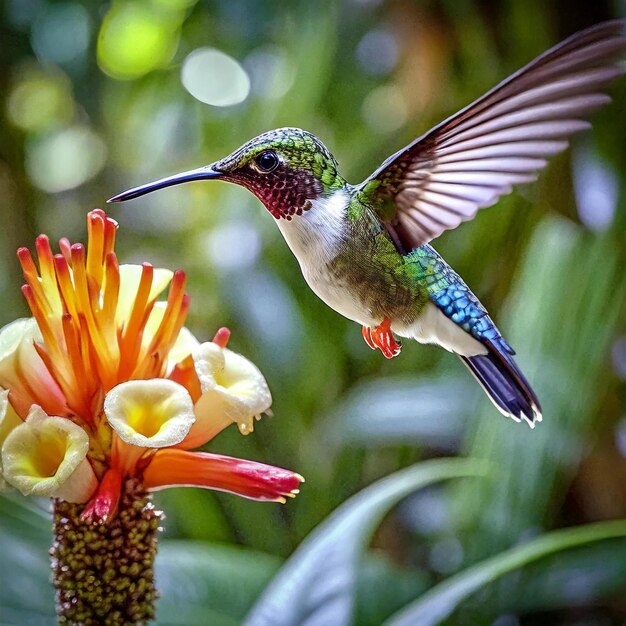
{"points": [[202, 173]]}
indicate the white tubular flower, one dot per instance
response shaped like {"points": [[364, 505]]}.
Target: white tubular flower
{"points": [[233, 390], [151, 413], [46, 456]]}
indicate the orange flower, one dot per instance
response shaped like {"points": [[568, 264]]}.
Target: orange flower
{"points": [[105, 382]]}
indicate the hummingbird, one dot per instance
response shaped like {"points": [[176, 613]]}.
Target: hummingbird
{"points": [[365, 249]]}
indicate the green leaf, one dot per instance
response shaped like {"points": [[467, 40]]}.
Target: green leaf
{"points": [[26, 594], [578, 577], [394, 586], [440, 602], [317, 584], [209, 584]]}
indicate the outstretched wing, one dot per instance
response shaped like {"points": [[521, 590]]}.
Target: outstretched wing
{"points": [[468, 161]]}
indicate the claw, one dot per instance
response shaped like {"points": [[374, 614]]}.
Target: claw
{"points": [[367, 335], [381, 337]]}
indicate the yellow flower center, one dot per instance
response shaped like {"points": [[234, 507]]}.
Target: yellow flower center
{"points": [[150, 413], [47, 455]]}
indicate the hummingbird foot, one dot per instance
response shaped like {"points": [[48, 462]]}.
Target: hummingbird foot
{"points": [[367, 335], [382, 338]]}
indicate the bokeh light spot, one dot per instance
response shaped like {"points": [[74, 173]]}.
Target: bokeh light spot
{"points": [[233, 246], [66, 159], [596, 189], [62, 32], [215, 78], [135, 39], [377, 52], [40, 98]]}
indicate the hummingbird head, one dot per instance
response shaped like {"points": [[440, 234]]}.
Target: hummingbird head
{"points": [[286, 169]]}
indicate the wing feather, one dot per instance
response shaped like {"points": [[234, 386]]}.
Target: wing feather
{"points": [[508, 164], [496, 179], [502, 139], [537, 148]]}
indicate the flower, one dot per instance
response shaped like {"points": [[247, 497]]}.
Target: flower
{"points": [[231, 387], [105, 384], [47, 455]]}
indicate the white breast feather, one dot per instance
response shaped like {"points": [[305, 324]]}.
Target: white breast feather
{"points": [[315, 238], [318, 232]]}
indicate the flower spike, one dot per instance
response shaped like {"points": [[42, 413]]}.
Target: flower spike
{"points": [[108, 384]]}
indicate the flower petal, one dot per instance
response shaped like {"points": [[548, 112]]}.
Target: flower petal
{"points": [[14, 333], [150, 413], [184, 373], [184, 345], [104, 503], [8, 421], [233, 390], [257, 481], [23, 372], [130, 275], [46, 456]]}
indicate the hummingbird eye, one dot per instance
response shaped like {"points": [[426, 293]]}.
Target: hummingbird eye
{"points": [[267, 161]]}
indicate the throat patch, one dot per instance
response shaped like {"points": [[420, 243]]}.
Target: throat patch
{"points": [[285, 192]]}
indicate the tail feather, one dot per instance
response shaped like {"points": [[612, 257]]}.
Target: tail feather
{"points": [[504, 383]]}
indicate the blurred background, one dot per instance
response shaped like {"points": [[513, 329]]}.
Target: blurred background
{"points": [[96, 97]]}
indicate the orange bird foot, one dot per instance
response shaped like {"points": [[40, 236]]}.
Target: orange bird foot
{"points": [[382, 338]]}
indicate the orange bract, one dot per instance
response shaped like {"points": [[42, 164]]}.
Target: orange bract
{"points": [[74, 298]]}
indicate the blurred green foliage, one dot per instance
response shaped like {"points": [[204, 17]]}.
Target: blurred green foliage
{"points": [[92, 102]]}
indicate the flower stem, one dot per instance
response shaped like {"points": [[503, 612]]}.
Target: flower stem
{"points": [[104, 573]]}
